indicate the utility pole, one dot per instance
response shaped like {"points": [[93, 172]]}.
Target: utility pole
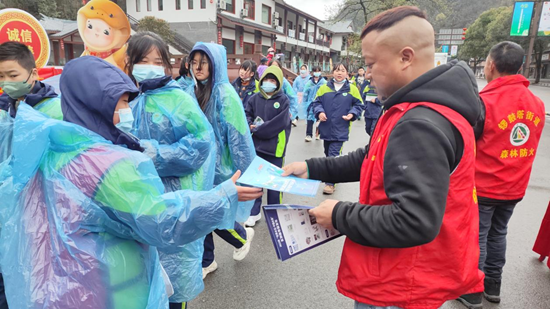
{"points": [[533, 36]]}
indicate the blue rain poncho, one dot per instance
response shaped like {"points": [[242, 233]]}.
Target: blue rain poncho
{"points": [[6, 130], [310, 93], [80, 215], [298, 87], [179, 139], [235, 149]]}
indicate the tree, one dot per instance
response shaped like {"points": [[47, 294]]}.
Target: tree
{"points": [[490, 27], [48, 8], [65, 9], [156, 25]]}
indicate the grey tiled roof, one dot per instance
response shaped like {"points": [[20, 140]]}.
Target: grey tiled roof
{"points": [[60, 27], [345, 26]]}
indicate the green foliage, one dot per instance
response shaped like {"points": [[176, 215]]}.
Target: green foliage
{"points": [[65, 9], [156, 25], [48, 8]]}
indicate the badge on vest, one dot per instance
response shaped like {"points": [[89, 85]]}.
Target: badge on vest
{"points": [[345, 94], [276, 105], [520, 134], [250, 93]]}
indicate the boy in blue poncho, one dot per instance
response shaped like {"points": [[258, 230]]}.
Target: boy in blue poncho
{"points": [[19, 80], [81, 215], [268, 114], [298, 86]]}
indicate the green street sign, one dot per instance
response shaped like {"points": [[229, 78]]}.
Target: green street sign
{"points": [[521, 19]]}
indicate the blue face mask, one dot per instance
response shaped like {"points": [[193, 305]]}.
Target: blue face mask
{"points": [[142, 72], [204, 82], [317, 74], [337, 82], [269, 87], [126, 120]]}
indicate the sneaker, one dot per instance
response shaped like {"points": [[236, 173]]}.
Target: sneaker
{"points": [[472, 301], [317, 137], [242, 252], [328, 190], [294, 122], [492, 290], [308, 138], [210, 269], [252, 220]]}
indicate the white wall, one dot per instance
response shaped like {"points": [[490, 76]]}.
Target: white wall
{"points": [[248, 38], [229, 34], [169, 12], [336, 42]]}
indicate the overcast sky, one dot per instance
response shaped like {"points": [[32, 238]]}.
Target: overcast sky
{"points": [[313, 7]]}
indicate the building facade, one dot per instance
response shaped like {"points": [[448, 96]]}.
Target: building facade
{"points": [[251, 27]]}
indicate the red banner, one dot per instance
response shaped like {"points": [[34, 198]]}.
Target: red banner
{"points": [[19, 26]]}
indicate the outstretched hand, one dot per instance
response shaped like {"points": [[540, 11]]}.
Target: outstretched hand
{"points": [[298, 169], [246, 193]]}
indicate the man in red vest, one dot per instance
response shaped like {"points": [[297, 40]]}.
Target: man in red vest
{"points": [[508, 137], [412, 239]]}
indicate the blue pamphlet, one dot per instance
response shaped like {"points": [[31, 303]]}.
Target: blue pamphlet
{"points": [[263, 174], [293, 231]]}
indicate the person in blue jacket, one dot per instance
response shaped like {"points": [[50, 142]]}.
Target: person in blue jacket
{"points": [[268, 115], [373, 107], [235, 150], [84, 208], [179, 140], [184, 79], [338, 103], [245, 84], [19, 81], [310, 92], [298, 87], [289, 92]]}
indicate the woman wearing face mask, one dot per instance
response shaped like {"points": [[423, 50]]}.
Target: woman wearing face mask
{"points": [[179, 140], [310, 92], [298, 86], [245, 84], [235, 150], [289, 92], [336, 105], [85, 210]]}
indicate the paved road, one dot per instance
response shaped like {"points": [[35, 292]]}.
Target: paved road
{"points": [[307, 281]]}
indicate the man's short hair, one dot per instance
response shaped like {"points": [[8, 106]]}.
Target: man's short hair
{"points": [[507, 57], [18, 52], [389, 18]]}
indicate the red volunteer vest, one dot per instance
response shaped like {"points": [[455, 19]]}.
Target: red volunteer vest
{"points": [[513, 126], [423, 276]]}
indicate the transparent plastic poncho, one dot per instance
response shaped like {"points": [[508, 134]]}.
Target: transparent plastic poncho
{"points": [[179, 139], [226, 114], [80, 216]]}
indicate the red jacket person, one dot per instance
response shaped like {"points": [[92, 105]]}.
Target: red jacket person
{"points": [[508, 137], [412, 239]]}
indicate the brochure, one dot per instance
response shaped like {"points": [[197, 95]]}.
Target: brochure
{"points": [[293, 231], [263, 174]]}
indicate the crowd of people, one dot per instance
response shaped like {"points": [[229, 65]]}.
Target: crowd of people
{"points": [[113, 188]]}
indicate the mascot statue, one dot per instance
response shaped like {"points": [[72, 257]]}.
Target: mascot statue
{"points": [[104, 29]]}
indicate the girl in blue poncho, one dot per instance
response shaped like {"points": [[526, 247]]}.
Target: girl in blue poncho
{"points": [[235, 149], [298, 87], [179, 140], [83, 208], [310, 92]]}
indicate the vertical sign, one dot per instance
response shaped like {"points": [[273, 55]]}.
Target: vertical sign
{"points": [[445, 49], [521, 19], [544, 25], [454, 50]]}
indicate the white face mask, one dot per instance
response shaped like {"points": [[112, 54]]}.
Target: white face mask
{"points": [[126, 120]]}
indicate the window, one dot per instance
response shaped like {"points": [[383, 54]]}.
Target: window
{"points": [[230, 6], [229, 45], [203, 4], [149, 8], [266, 14], [178, 4], [190, 4], [138, 5], [264, 49], [249, 5], [161, 5], [248, 48]]}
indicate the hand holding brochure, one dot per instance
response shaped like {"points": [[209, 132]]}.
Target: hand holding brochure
{"points": [[263, 174], [294, 231]]}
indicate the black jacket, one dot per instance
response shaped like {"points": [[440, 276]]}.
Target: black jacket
{"points": [[418, 197]]}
